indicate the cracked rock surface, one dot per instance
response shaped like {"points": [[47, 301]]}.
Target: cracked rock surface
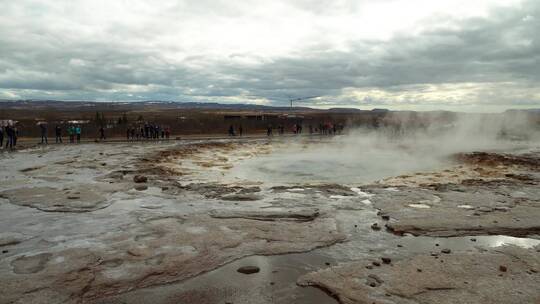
{"points": [[452, 278], [507, 204]]}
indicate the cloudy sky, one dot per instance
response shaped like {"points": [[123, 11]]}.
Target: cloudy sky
{"points": [[481, 55]]}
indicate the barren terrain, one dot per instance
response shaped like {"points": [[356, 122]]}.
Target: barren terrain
{"points": [[173, 222]]}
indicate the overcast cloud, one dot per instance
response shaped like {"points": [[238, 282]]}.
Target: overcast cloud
{"points": [[481, 55]]}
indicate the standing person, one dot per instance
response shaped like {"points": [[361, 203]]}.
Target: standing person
{"points": [[101, 133], [15, 135], [231, 130], [78, 132], [71, 132], [9, 141], [43, 128], [240, 130], [128, 133], [58, 134], [167, 132], [1, 136], [269, 131]]}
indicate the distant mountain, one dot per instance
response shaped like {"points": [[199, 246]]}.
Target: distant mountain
{"points": [[156, 105], [536, 111]]}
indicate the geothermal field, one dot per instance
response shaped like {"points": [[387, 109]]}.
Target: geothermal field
{"points": [[445, 215]]}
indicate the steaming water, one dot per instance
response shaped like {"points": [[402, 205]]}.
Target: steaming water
{"points": [[337, 161]]}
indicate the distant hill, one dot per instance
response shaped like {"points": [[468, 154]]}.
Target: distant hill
{"points": [[537, 111], [156, 105]]}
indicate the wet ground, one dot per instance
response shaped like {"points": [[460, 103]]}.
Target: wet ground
{"points": [[173, 222], [274, 283]]}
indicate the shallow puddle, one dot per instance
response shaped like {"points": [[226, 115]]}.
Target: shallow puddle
{"points": [[274, 283], [419, 206], [421, 243]]}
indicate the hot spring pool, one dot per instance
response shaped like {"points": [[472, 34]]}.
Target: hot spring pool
{"points": [[335, 161]]}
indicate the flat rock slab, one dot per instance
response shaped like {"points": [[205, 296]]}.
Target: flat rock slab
{"points": [[161, 248], [305, 215], [491, 194], [456, 210], [241, 197], [56, 200], [454, 278]]}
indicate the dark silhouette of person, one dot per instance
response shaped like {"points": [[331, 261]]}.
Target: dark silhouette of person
{"points": [[10, 135], [43, 128], [78, 132], [101, 133], [58, 134]]}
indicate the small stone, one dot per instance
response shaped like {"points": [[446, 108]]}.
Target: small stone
{"points": [[141, 188], [473, 240], [140, 179], [375, 226], [73, 197], [437, 245], [164, 188], [385, 217], [5, 251], [446, 251], [386, 260], [419, 270], [376, 264], [369, 267], [327, 264], [373, 280], [272, 283], [248, 269], [485, 209], [503, 268], [134, 252]]}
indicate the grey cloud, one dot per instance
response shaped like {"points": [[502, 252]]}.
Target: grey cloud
{"points": [[501, 48]]}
